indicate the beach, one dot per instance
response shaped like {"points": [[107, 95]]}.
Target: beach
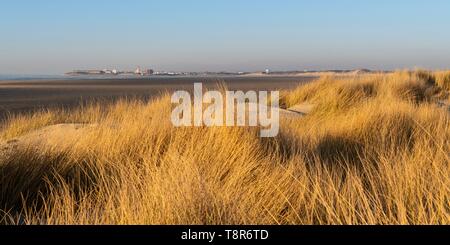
{"points": [[31, 95]]}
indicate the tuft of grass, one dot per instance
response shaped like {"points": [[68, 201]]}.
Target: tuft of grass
{"points": [[426, 76], [443, 80]]}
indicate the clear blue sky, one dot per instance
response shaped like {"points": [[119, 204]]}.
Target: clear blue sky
{"points": [[54, 36]]}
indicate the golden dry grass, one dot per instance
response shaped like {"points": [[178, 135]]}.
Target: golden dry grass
{"points": [[375, 150]]}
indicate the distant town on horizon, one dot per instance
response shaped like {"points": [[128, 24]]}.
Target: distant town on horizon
{"points": [[151, 72]]}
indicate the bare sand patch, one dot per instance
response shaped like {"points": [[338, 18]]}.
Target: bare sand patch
{"points": [[284, 113], [59, 136], [302, 109]]}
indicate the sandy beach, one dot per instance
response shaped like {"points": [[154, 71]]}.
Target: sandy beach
{"points": [[27, 96]]}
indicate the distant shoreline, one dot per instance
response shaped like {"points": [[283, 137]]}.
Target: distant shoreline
{"points": [[4, 80], [17, 78]]}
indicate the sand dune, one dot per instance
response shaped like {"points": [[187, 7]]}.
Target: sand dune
{"points": [[372, 150]]}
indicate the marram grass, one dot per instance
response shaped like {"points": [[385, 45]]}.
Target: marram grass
{"points": [[375, 150]]}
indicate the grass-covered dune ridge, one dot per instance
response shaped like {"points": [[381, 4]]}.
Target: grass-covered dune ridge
{"points": [[374, 150]]}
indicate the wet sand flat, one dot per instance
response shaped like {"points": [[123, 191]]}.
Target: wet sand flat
{"points": [[28, 96]]}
